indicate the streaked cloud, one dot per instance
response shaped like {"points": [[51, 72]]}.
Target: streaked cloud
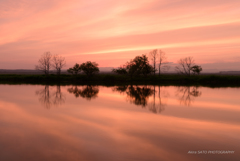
{"points": [[90, 30]]}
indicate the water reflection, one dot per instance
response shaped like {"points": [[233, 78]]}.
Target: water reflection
{"points": [[89, 92], [135, 94], [141, 96], [51, 98], [58, 97], [186, 94], [159, 106], [151, 97], [109, 128]]}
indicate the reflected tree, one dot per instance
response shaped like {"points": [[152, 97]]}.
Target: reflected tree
{"points": [[152, 106], [186, 94], [89, 92], [135, 94], [158, 107], [75, 91], [45, 97], [139, 95], [50, 98], [121, 89], [58, 97]]}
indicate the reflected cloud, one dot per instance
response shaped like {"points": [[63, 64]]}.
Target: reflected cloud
{"points": [[186, 94], [89, 92], [50, 98], [141, 96]]}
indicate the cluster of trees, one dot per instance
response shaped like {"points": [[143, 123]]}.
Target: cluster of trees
{"points": [[89, 68], [186, 66], [49, 61], [140, 65], [57, 62], [159, 60]]}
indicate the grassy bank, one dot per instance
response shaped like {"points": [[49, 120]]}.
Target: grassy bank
{"points": [[203, 80]]}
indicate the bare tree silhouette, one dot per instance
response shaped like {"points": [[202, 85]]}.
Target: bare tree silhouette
{"points": [[185, 66], [44, 63], [58, 62], [154, 54], [163, 64]]}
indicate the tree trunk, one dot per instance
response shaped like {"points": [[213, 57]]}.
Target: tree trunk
{"points": [[159, 71]]}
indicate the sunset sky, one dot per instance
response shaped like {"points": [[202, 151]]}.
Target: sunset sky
{"points": [[112, 32]]}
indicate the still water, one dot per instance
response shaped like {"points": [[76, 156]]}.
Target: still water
{"points": [[119, 123]]}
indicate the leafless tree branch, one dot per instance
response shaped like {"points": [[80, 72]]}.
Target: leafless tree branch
{"points": [[44, 63], [58, 62]]}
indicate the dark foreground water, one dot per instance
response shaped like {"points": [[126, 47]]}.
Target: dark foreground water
{"points": [[132, 123]]}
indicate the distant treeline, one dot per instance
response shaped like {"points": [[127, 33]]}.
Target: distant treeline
{"points": [[139, 66]]}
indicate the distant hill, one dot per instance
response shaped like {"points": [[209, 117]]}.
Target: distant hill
{"points": [[105, 69], [19, 71], [230, 72]]}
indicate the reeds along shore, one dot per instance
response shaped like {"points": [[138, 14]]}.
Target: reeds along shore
{"points": [[202, 80]]}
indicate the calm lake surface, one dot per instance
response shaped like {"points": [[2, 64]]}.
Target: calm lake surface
{"points": [[97, 123]]}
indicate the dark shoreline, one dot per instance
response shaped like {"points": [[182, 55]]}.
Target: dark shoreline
{"points": [[112, 79]]}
